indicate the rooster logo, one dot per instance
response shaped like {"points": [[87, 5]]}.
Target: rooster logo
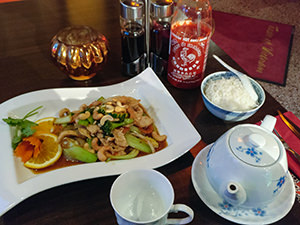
{"points": [[187, 58]]}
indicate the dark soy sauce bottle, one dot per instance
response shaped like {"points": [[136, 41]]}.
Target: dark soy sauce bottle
{"points": [[161, 12], [133, 37]]}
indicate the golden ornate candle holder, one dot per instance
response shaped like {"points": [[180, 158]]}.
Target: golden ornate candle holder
{"points": [[79, 51]]}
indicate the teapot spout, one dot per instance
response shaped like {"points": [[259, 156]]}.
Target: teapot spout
{"points": [[235, 193], [269, 123]]}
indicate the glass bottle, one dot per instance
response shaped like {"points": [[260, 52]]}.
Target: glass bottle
{"points": [[132, 21], [161, 12], [191, 31]]}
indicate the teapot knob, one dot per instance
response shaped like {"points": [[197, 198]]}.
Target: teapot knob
{"points": [[256, 140], [268, 123]]}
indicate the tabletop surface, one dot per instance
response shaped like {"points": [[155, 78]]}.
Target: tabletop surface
{"points": [[25, 65]]}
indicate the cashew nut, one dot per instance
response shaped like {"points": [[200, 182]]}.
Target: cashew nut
{"points": [[120, 109], [101, 153], [158, 137], [82, 107], [84, 116], [109, 108], [64, 112], [120, 104], [96, 114], [110, 102], [66, 133], [95, 145], [104, 118]]}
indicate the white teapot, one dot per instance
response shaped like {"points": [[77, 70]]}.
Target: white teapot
{"points": [[247, 165]]}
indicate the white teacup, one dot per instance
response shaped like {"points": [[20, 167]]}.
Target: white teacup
{"points": [[247, 166], [146, 197]]}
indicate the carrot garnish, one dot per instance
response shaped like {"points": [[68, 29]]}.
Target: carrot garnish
{"points": [[28, 148]]}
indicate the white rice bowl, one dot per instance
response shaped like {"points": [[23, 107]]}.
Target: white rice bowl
{"points": [[225, 97]]}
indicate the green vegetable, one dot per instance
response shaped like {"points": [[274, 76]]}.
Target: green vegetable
{"points": [[80, 154], [135, 129], [102, 110], [63, 120], [101, 99], [130, 155], [86, 122], [120, 116], [108, 126], [90, 120], [137, 143], [23, 127], [152, 141], [89, 141], [83, 122]]}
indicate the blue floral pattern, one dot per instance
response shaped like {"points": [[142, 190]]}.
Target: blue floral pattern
{"points": [[251, 151], [229, 209], [208, 156], [259, 212], [279, 184], [226, 206]]}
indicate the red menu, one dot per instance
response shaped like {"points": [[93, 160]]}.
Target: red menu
{"points": [[260, 47]]}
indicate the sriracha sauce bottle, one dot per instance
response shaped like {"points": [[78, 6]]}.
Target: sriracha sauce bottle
{"points": [[191, 29]]}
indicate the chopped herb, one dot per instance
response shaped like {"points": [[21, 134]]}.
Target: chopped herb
{"points": [[23, 127], [109, 126]]}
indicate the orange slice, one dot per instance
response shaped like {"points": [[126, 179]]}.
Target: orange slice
{"points": [[50, 152], [45, 125]]}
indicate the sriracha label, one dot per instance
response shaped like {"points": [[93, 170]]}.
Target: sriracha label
{"points": [[188, 53]]}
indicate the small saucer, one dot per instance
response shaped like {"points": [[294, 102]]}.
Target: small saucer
{"points": [[271, 213]]}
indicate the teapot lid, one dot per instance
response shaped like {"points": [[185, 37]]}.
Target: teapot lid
{"points": [[254, 145]]}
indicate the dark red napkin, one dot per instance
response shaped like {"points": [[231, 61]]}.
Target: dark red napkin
{"points": [[260, 47], [291, 139]]}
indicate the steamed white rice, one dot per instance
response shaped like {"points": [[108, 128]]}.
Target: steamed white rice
{"points": [[229, 94]]}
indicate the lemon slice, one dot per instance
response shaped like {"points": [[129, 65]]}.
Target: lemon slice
{"points": [[45, 125], [50, 152]]}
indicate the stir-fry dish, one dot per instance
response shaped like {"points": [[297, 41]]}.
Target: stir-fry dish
{"points": [[112, 128]]}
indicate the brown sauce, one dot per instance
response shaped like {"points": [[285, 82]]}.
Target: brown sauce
{"points": [[63, 162]]}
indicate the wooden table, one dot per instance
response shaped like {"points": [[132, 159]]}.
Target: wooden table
{"points": [[25, 65]]}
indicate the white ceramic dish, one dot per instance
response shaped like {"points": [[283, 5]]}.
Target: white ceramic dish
{"points": [[18, 183], [227, 115], [271, 213]]}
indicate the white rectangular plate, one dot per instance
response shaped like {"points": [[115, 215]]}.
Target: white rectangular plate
{"points": [[18, 183]]}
